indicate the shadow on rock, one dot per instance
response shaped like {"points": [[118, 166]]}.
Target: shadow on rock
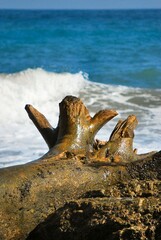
{"points": [[77, 221], [101, 218]]}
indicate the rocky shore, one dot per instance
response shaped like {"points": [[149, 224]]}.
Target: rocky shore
{"points": [[82, 189]]}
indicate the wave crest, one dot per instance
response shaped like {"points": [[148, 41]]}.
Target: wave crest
{"points": [[37, 87]]}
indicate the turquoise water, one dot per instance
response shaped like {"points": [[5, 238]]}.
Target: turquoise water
{"points": [[113, 47], [110, 59]]}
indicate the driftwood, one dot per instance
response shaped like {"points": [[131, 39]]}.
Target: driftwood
{"points": [[76, 165], [76, 128]]}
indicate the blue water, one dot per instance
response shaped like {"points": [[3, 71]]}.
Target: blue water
{"points": [[113, 47], [110, 59]]}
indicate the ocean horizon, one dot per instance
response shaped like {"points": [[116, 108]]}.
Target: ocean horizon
{"points": [[108, 58]]}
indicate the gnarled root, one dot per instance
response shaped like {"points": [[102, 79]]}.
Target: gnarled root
{"points": [[76, 128], [76, 131]]}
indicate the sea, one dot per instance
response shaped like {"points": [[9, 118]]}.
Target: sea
{"points": [[111, 59]]}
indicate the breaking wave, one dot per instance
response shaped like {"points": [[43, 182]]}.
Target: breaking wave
{"points": [[21, 142]]}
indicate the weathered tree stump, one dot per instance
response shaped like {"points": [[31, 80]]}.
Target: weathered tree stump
{"points": [[75, 166], [76, 128]]}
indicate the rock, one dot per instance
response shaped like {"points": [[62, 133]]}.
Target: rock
{"points": [[130, 211]]}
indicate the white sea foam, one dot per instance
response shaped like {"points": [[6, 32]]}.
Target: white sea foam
{"points": [[21, 142], [38, 87]]}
